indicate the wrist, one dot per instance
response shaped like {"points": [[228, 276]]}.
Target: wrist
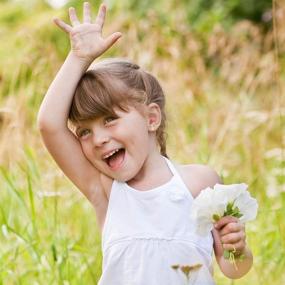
{"points": [[84, 63]]}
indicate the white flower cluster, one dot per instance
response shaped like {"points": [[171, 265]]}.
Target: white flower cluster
{"points": [[212, 204]]}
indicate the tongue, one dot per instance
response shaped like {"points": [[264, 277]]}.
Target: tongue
{"points": [[116, 159]]}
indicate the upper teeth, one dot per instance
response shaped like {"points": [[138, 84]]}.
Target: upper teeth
{"points": [[110, 153]]}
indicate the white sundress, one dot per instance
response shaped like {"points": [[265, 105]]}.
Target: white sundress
{"points": [[149, 235]]}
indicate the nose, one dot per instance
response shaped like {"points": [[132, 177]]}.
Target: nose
{"points": [[100, 137]]}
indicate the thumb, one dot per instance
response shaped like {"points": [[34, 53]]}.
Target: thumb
{"points": [[62, 25], [110, 40]]}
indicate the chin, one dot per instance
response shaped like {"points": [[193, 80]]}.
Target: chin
{"points": [[123, 176]]}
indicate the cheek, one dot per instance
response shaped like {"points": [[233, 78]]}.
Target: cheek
{"points": [[139, 131], [86, 149], [138, 138], [89, 154]]}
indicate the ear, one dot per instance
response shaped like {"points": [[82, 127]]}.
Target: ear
{"points": [[153, 117]]}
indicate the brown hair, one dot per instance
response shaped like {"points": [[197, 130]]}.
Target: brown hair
{"points": [[117, 83]]}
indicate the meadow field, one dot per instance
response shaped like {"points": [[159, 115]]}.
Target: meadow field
{"points": [[224, 82]]}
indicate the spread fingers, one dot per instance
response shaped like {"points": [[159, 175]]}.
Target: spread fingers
{"points": [[62, 25], [86, 12], [100, 19], [73, 17]]}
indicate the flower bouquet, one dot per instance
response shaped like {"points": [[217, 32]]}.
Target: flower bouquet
{"points": [[224, 200]]}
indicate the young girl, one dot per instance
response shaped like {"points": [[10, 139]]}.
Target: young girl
{"points": [[114, 152]]}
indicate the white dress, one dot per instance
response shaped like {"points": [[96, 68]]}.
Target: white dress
{"points": [[148, 234]]}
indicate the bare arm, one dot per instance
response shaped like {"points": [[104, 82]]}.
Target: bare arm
{"points": [[230, 233], [55, 107], [87, 44]]}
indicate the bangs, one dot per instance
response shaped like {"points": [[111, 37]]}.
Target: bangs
{"points": [[97, 95]]}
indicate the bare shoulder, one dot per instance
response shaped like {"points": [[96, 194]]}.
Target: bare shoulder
{"points": [[198, 177]]}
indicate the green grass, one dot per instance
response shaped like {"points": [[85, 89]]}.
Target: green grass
{"points": [[44, 243]]}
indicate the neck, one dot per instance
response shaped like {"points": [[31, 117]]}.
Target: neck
{"points": [[154, 173]]}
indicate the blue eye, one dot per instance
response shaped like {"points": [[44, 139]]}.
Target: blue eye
{"points": [[109, 119], [83, 133]]}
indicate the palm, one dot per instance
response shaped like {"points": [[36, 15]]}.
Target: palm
{"points": [[86, 37], [87, 41]]}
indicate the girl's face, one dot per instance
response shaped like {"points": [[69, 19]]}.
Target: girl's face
{"points": [[117, 146]]}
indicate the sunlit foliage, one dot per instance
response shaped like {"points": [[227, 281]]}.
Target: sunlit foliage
{"points": [[221, 64]]}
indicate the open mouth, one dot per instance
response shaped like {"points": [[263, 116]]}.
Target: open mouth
{"points": [[115, 158]]}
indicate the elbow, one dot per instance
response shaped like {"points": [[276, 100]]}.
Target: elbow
{"points": [[42, 123], [45, 126], [49, 123]]}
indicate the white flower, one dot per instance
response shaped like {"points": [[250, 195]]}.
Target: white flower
{"points": [[212, 204]]}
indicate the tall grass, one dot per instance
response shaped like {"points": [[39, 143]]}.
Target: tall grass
{"points": [[42, 243], [228, 89]]}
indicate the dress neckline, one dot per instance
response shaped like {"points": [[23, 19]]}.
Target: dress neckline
{"points": [[152, 190], [157, 188]]}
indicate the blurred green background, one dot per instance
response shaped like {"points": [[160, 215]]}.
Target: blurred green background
{"points": [[221, 64]]}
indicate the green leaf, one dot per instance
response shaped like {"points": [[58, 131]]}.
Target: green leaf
{"points": [[239, 215], [226, 254]]}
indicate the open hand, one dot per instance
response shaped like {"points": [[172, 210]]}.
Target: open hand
{"points": [[232, 234], [86, 38]]}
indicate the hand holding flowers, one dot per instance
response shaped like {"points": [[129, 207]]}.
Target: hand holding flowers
{"points": [[232, 235], [228, 207]]}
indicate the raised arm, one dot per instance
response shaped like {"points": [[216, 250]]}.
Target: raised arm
{"points": [[87, 44]]}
